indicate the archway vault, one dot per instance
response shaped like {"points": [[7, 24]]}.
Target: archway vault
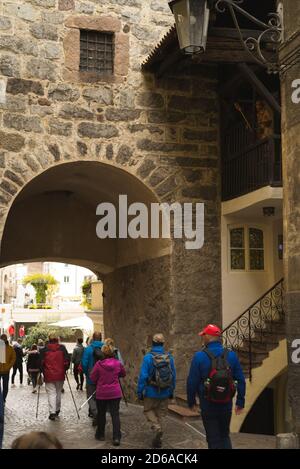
{"points": [[53, 217]]}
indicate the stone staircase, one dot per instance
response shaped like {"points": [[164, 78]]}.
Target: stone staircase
{"points": [[253, 335]]}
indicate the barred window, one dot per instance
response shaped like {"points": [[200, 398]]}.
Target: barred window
{"points": [[96, 52]]}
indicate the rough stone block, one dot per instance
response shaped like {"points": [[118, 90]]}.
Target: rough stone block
{"points": [[82, 148], [150, 100], [287, 441], [25, 12], [58, 127], [63, 92], [192, 105], [124, 154], [20, 86], [11, 142], [145, 169], [66, 5], [5, 23], [55, 151], [90, 130], [200, 135], [115, 114], [9, 66], [44, 31], [70, 111], [149, 145], [42, 69], [20, 122], [102, 96]]}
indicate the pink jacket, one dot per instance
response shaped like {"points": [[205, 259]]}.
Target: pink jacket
{"points": [[105, 375]]}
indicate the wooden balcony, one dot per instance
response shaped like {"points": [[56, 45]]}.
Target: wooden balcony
{"points": [[249, 165]]}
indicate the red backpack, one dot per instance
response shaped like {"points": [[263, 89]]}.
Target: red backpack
{"points": [[219, 385]]}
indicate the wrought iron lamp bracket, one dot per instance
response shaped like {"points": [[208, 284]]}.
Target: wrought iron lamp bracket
{"points": [[272, 32]]}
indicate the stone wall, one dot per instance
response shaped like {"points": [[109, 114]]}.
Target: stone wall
{"points": [[163, 131]]}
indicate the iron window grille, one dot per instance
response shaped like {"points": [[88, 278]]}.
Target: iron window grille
{"points": [[96, 52]]}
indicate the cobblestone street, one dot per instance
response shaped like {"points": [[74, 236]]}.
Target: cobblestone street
{"points": [[73, 433]]}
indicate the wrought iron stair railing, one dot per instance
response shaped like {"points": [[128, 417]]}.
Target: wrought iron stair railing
{"points": [[260, 321]]}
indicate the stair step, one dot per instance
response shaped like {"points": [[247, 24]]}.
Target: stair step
{"points": [[182, 399], [257, 344], [183, 412], [256, 355]]}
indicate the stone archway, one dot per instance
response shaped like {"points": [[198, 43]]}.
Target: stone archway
{"points": [[54, 218]]}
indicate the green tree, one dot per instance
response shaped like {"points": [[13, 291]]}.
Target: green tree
{"points": [[87, 294], [41, 283], [43, 330]]}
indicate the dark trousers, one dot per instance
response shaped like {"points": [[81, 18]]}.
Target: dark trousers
{"points": [[77, 375], [33, 377], [217, 427], [4, 385], [17, 366], [113, 406]]}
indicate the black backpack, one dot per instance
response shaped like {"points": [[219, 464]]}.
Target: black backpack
{"points": [[219, 386], [162, 377], [98, 355]]}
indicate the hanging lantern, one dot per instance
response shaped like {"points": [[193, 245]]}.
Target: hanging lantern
{"points": [[191, 18]]}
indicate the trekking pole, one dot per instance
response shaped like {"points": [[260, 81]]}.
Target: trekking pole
{"points": [[87, 401], [124, 397], [72, 396], [38, 400]]}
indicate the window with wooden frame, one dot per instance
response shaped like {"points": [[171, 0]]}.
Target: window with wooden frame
{"points": [[96, 52], [246, 246]]}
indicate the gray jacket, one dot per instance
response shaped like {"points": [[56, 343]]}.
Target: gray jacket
{"points": [[77, 354]]}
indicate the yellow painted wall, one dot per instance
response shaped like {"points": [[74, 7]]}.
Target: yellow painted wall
{"points": [[272, 366]]}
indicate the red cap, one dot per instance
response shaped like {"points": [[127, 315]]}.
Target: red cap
{"points": [[211, 329]]}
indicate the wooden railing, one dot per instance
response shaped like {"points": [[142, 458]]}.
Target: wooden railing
{"points": [[252, 165]]}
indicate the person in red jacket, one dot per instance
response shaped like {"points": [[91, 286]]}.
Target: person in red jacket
{"points": [[11, 332], [55, 362]]}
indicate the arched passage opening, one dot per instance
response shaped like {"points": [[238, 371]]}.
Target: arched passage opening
{"points": [[54, 218]]}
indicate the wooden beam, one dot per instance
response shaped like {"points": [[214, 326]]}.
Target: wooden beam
{"points": [[259, 86]]}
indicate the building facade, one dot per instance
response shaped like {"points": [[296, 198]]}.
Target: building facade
{"points": [[97, 101]]}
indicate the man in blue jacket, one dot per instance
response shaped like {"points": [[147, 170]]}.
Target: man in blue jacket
{"points": [[216, 416], [90, 355], [1, 419], [156, 385]]}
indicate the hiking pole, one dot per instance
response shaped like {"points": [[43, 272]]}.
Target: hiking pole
{"points": [[72, 396], [38, 400], [124, 397], [87, 401]]}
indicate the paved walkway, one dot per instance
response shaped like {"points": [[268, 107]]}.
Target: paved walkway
{"points": [[20, 417]]}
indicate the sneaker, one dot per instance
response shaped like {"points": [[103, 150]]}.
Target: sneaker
{"points": [[156, 443], [77, 387], [81, 387], [99, 437], [57, 413], [62, 390], [52, 417], [95, 422], [34, 391], [116, 442]]}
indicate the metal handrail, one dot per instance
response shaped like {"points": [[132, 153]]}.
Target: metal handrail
{"points": [[255, 321]]}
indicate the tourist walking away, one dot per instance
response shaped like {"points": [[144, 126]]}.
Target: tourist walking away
{"points": [[90, 356], [55, 362], [1, 419], [34, 366], [18, 366], [40, 345], [11, 333], [5, 367], [22, 332], [156, 385], [76, 360], [117, 353], [106, 375], [215, 377]]}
